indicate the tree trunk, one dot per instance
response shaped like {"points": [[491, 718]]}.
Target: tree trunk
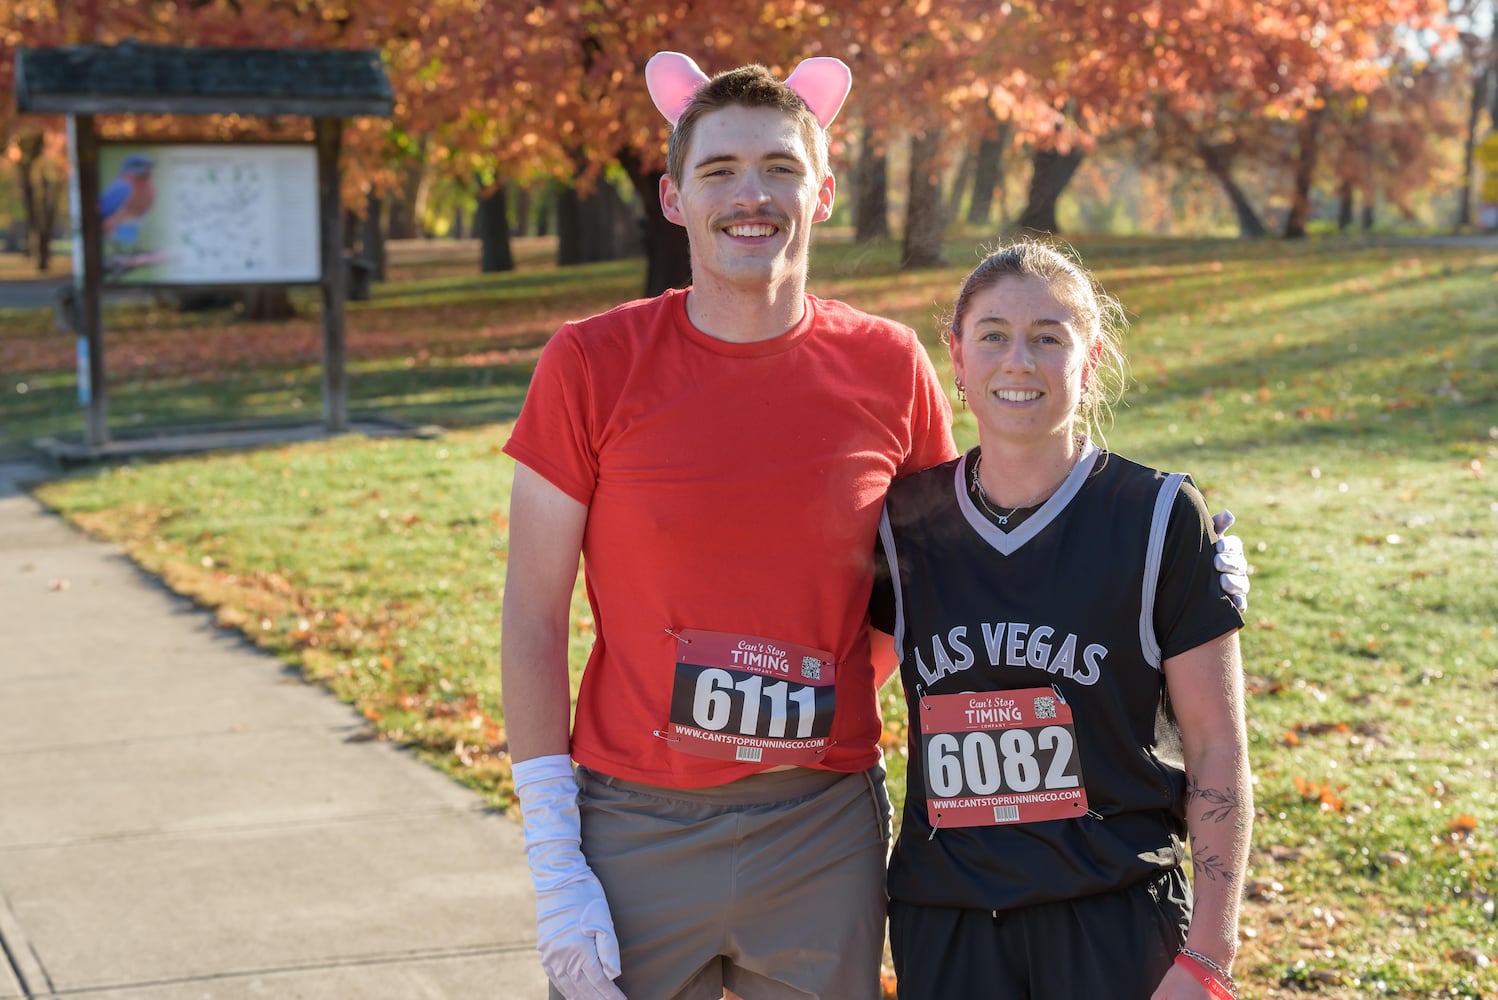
{"points": [[668, 255], [962, 181], [372, 238], [408, 208], [350, 230], [1480, 84], [594, 227], [923, 208], [1367, 213], [1219, 163], [267, 305], [491, 224], [52, 195], [1344, 206], [1052, 172], [457, 230], [400, 222], [871, 190], [988, 174], [522, 211], [1309, 150], [546, 213], [40, 198]]}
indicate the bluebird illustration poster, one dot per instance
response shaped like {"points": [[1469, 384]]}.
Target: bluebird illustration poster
{"points": [[209, 214]]}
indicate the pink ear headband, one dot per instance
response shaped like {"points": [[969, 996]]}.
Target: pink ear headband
{"points": [[822, 82]]}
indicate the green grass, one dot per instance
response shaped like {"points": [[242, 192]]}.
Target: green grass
{"points": [[1340, 396]]}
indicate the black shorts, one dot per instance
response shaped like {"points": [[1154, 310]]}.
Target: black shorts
{"points": [[1117, 945]]}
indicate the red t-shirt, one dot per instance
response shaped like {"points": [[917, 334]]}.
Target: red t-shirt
{"points": [[732, 488]]}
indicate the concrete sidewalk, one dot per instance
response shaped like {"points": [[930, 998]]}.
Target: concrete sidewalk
{"points": [[181, 817]]}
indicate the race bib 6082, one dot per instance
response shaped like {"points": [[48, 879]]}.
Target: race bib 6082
{"points": [[994, 757]]}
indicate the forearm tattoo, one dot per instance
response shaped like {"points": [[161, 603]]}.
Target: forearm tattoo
{"points": [[1217, 805], [1221, 803], [1210, 867]]}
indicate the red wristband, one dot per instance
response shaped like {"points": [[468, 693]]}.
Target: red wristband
{"points": [[1204, 975]]}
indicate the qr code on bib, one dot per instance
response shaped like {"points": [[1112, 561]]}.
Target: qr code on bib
{"points": [[1045, 708], [811, 668]]}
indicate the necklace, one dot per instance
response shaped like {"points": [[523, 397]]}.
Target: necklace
{"points": [[982, 496]]}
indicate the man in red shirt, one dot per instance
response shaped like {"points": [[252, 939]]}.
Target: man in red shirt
{"points": [[718, 457]]}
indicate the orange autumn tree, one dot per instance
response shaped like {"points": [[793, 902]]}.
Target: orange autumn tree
{"points": [[578, 69], [939, 73], [1215, 83], [1386, 143], [917, 68]]}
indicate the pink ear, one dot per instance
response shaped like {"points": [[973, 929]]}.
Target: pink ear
{"points": [[823, 83], [672, 79]]}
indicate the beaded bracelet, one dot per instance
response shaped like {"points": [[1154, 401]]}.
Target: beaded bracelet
{"points": [[1218, 981]]}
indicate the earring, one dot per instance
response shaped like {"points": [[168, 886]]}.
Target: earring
{"points": [[961, 392]]}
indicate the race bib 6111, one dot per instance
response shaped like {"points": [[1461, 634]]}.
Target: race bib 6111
{"points": [[752, 699]]}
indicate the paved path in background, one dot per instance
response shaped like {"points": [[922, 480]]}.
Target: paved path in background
{"points": [[31, 294], [181, 817]]}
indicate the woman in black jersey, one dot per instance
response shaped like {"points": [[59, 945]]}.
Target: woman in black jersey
{"points": [[1071, 665]]}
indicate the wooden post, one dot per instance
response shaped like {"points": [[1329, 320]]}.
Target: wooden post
{"points": [[329, 135], [90, 292]]}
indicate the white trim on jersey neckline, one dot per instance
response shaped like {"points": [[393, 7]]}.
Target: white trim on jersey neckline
{"points": [[1010, 542]]}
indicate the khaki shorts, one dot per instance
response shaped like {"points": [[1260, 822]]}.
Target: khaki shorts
{"points": [[772, 886]]}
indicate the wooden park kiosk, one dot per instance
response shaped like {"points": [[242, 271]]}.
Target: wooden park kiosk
{"points": [[88, 80]]}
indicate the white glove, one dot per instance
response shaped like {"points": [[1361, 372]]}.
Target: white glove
{"points": [[1230, 561], [574, 932]]}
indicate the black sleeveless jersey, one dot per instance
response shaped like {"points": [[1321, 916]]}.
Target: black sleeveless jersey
{"points": [[1087, 597]]}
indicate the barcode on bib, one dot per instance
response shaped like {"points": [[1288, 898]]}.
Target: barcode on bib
{"points": [[751, 754], [1005, 814]]}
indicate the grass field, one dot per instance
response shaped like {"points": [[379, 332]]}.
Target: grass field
{"points": [[1340, 397]]}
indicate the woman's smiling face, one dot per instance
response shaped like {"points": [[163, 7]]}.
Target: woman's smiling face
{"points": [[1022, 360]]}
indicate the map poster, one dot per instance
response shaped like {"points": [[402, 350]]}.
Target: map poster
{"points": [[201, 214]]}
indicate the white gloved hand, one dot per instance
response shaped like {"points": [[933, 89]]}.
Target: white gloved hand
{"points": [[1230, 561], [574, 932]]}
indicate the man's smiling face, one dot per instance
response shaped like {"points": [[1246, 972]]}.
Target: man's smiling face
{"points": [[747, 198]]}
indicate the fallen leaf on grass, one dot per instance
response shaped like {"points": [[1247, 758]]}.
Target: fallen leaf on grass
{"points": [[1263, 890], [1255, 684], [1327, 795], [1470, 957], [1462, 827], [1327, 917]]}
